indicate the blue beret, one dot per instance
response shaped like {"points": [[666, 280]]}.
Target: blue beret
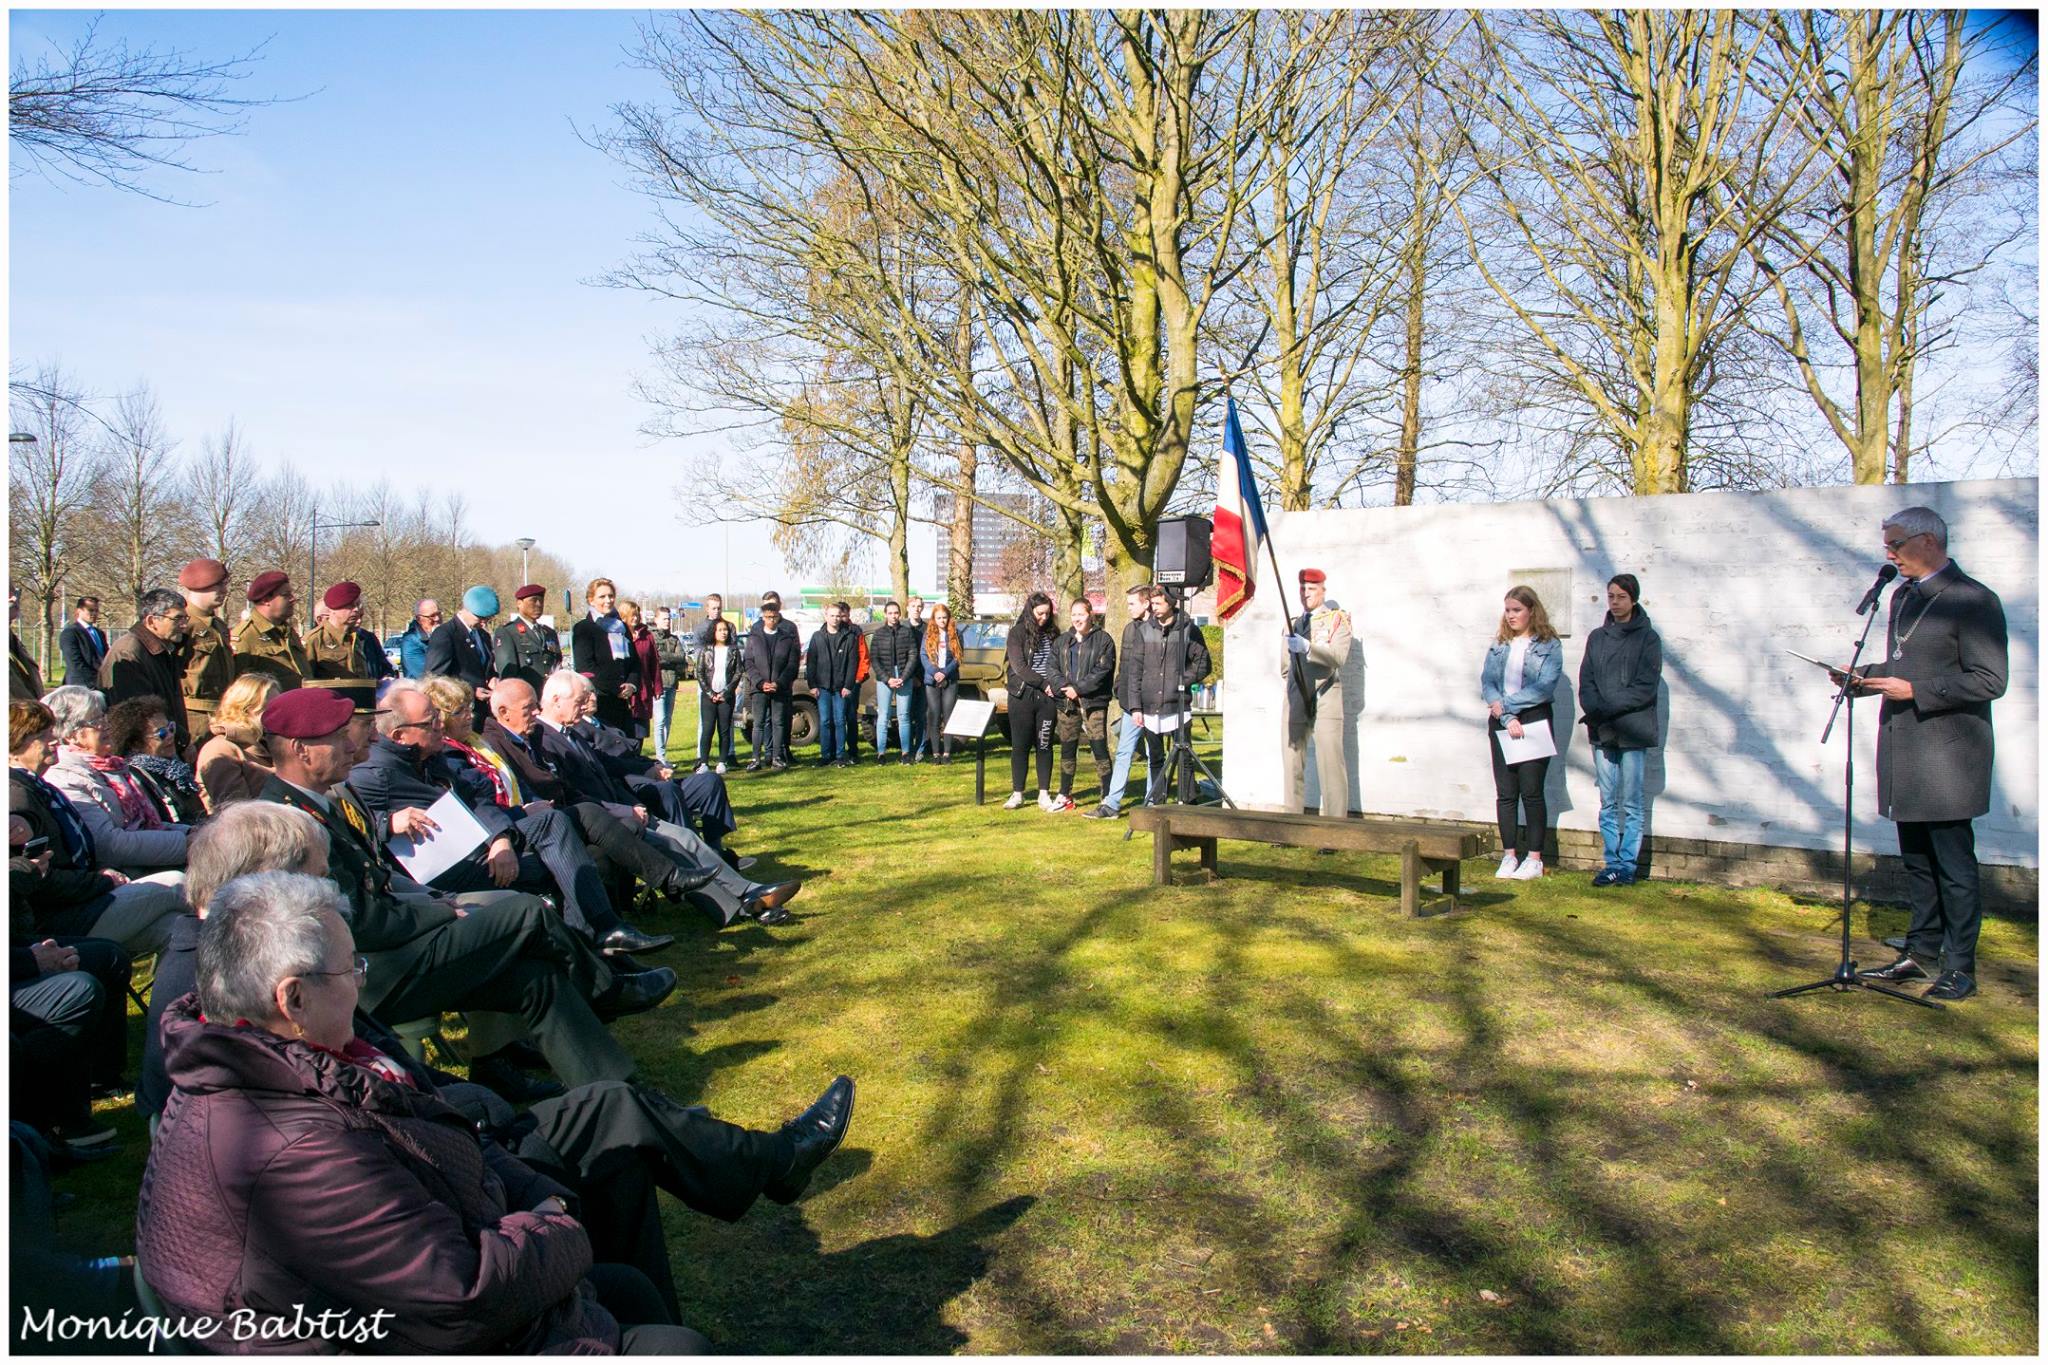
{"points": [[480, 601]]}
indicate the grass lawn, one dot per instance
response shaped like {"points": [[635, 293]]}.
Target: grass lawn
{"points": [[1272, 1115]]}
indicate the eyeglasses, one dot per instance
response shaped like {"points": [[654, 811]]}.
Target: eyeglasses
{"points": [[164, 731], [360, 971], [1893, 545], [431, 616], [432, 722]]}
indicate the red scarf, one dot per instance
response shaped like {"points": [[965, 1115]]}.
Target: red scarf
{"points": [[137, 810], [499, 791]]}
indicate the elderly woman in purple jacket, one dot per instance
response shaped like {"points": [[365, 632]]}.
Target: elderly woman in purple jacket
{"points": [[302, 1179]]}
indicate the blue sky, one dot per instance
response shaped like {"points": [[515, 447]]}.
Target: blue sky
{"points": [[388, 278]]}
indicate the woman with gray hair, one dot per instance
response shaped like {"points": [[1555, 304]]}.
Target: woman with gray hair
{"points": [[297, 1163], [125, 825]]}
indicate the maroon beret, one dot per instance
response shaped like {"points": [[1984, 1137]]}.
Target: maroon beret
{"points": [[202, 575], [306, 713], [268, 585], [1313, 576], [530, 590], [342, 596]]}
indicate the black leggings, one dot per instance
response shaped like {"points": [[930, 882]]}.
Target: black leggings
{"points": [[714, 718], [938, 708], [1521, 784], [1030, 729]]}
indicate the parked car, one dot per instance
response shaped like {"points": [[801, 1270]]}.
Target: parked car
{"points": [[391, 653]]}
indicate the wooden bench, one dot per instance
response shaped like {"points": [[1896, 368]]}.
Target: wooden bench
{"points": [[1424, 849]]}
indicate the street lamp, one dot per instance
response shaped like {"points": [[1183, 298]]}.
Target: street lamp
{"points": [[313, 557], [524, 543]]}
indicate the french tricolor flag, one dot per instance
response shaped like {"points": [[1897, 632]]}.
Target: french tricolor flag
{"points": [[1240, 527]]}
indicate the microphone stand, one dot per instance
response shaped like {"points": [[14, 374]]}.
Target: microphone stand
{"points": [[1845, 977]]}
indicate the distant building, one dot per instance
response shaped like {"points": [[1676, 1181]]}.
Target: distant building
{"points": [[993, 534]]}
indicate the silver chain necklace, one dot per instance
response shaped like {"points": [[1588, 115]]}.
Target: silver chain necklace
{"points": [[1906, 633]]}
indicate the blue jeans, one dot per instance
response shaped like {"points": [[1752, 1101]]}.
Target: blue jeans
{"points": [[664, 712], [1127, 737], [834, 716], [887, 697], [1620, 775]]}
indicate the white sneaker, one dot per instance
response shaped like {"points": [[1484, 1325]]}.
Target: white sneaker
{"points": [[703, 767], [1016, 801], [1507, 867], [1046, 802], [720, 770], [1530, 870]]}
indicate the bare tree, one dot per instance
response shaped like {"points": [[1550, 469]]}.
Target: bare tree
{"points": [[1615, 149], [102, 112], [50, 489], [145, 533], [224, 492], [1910, 114]]}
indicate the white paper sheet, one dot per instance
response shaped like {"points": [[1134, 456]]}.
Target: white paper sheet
{"points": [[1537, 741], [1161, 722], [457, 835]]}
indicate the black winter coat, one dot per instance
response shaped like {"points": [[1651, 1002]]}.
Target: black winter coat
{"points": [[1618, 679], [1087, 664], [1150, 681], [590, 653], [892, 653], [774, 658], [1934, 752], [1017, 651], [833, 660]]}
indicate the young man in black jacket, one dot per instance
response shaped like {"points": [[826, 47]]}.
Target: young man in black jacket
{"points": [[1084, 662], [1163, 656], [832, 668], [892, 661], [774, 654]]}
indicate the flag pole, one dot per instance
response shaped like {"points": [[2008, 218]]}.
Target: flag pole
{"points": [[1294, 668]]}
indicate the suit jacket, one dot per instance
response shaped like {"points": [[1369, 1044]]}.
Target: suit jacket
{"points": [[1947, 637], [140, 665], [359, 865], [591, 774], [394, 776], [82, 647], [590, 648], [453, 651], [539, 778]]}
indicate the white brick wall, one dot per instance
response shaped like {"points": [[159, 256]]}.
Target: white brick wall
{"points": [[1731, 581]]}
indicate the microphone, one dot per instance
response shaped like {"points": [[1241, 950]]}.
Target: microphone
{"points": [[1884, 576]]}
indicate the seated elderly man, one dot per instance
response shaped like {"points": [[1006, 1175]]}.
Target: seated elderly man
{"points": [[482, 776], [535, 849], [77, 894], [614, 1144], [125, 825], [699, 801], [550, 761], [298, 1164], [428, 954]]}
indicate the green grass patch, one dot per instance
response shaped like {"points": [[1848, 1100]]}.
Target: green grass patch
{"points": [[1273, 1115]]}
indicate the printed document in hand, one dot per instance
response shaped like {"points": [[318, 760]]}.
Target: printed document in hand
{"points": [[456, 836], [1536, 742]]}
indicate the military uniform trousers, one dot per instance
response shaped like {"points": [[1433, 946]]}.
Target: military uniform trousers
{"points": [[1333, 772]]}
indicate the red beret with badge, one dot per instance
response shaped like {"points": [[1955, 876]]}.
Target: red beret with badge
{"points": [[342, 597], [530, 590], [268, 585], [307, 713]]}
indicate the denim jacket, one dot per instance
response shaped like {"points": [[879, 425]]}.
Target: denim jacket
{"points": [[1541, 669]]}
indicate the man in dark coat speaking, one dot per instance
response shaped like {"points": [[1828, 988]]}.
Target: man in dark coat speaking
{"points": [[1943, 667]]}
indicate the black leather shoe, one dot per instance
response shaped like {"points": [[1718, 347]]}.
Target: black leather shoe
{"points": [[818, 1131], [735, 861], [765, 903], [634, 993], [1950, 986], [495, 1073], [756, 766], [687, 879], [1905, 969], [627, 939]]}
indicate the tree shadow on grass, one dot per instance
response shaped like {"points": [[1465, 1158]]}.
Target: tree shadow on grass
{"points": [[1592, 1241], [885, 1296]]}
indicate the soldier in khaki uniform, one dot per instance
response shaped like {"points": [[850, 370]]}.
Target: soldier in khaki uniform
{"points": [[524, 648], [1317, 649], [206, 656], [266, 642], [341, 648]]}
